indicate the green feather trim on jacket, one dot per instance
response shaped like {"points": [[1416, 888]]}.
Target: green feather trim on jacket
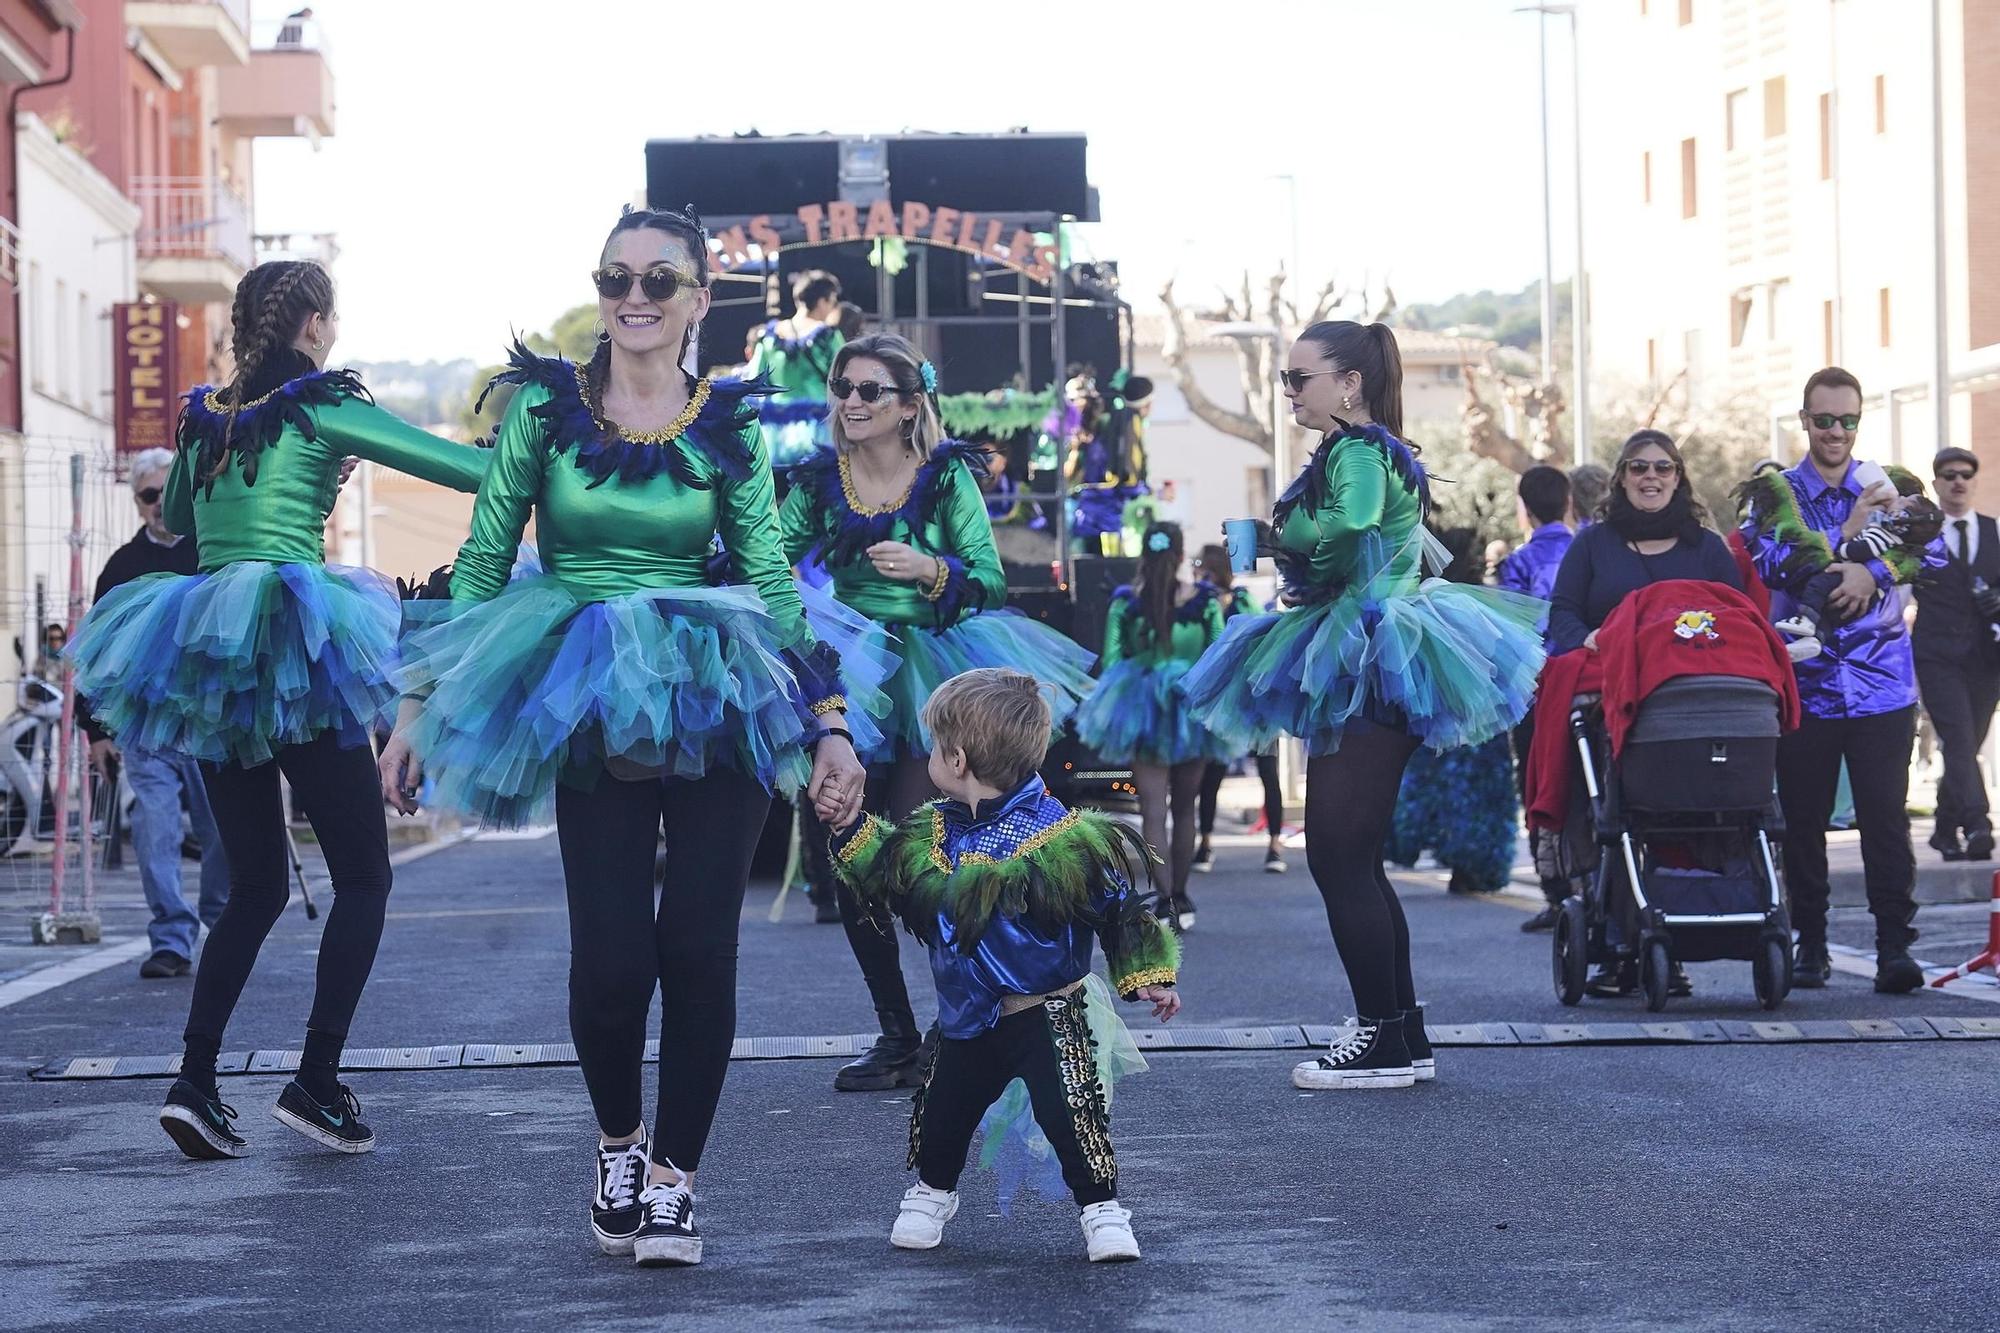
{"points": [[1773, 510]]}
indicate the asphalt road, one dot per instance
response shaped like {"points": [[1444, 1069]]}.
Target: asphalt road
{"points": [[1744, 1185]]}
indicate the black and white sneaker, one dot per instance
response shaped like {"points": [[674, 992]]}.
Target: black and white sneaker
{"points": [[199, 1124], [667, 1238], [1367, 1053], [1274, 861], [1418, 1042], [338, 1126], [615, 1214], [1204, 858]]}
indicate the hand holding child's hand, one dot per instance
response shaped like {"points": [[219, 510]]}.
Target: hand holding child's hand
{"points": [[1166, 1000]]}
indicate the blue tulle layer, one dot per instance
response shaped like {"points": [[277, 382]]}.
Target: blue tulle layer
{"points": [[1456, 663], [235, 664], [1138, 715], [538, 686], [1003, 638]]}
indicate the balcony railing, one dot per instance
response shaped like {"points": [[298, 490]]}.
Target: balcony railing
{"points": [[10, 253], [192, 33], [187, 217], [290, 35]]}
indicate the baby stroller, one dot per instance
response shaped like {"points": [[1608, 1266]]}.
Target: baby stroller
{"points": [[1683, 822]]}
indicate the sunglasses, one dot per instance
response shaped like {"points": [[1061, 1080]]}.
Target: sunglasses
{"points": [[1639, 467], [1826, 420], [1295, 380], [1955, 474], [151, 495], [867, 391], [659, 282]]}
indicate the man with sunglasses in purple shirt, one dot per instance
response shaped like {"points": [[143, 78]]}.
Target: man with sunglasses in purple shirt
{"points": [[160, 780], [1859, 694]]}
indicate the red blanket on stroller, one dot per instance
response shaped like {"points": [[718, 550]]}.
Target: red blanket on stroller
{"points": [[1678, 627]]}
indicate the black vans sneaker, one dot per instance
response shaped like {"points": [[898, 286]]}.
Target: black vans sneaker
{"points": [[199, 1124], [1418, 1043], [615, 1214], [338, 1126], [1367, 1053], [667, 1238], [1812, 966]]}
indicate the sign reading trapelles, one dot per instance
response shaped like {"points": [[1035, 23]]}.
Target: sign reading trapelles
{"points": [[144, 378], [839, 220]]}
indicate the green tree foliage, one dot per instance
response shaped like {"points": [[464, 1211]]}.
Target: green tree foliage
{"points": [[573, 334]]}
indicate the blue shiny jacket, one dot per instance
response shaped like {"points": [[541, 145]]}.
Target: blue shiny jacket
{"points": [[1866, 667], [1016, 955], [1531, 569]]}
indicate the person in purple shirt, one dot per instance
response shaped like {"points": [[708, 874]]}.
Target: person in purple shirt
{"points": [[1545, 501], [1859, 695]]}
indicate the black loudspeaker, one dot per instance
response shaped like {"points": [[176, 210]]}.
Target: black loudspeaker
{"points": [[742, 177], [992, 173], [977, 357], [1095, 578]]}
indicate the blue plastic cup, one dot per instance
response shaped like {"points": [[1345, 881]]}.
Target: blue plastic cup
{"points": [[1240, 536]]}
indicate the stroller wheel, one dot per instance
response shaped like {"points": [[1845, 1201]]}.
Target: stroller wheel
{"points": [[1571, 950], [1772, 973], [1653, 974]]}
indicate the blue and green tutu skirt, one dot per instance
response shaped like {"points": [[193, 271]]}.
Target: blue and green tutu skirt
{"points": [[235, 664], [539, 686], [999, 638], [1453, 663], [1139, 715]]}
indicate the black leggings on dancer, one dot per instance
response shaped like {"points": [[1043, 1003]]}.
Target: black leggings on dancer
{"points": [[343, 800], [893, 791], [1274, 795], [1350, 802], [621, 947]]}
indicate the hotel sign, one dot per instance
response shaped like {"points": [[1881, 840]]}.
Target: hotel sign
{"points": [[144, 375]]}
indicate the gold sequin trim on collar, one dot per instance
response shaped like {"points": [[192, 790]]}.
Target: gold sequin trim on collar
{"points": [[853, 497], [667, 434]]}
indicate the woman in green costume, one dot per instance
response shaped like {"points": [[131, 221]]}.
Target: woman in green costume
{"points": [[268, 662], [796, 355]]}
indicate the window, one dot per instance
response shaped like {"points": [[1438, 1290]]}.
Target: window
{"points": [[1646, 175], [1776, 297], [1774, 107], [59, 343], [1826, 139], [1734, 107], [1739, 316], [1687, 178], [1687, 12], [86, 364], [1881, 105], [1883, 315]]}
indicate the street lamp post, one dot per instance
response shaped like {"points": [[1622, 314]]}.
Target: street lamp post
{"points": [[1579, 284]]}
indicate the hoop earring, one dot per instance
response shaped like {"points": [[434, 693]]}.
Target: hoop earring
{"points": [[319, 345], [603, 334]]}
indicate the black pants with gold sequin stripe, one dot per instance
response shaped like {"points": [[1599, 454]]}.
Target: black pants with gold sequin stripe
{"points": [[1048, 1047]]}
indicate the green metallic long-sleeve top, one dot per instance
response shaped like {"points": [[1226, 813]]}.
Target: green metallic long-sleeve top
{"points": [[1351, 511], [943, 515], [798, 367], [616, 514], [265, 493], [1129, 637]]}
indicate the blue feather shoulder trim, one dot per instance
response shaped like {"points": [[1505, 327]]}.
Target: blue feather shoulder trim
{"points": [[850, 532], [208, 431], [723, 431], [1309, 487]]}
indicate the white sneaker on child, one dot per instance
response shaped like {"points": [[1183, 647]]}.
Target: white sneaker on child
{"points": [[920, 1225], [1107, 1233], [1795, 627], [1804, 650]]}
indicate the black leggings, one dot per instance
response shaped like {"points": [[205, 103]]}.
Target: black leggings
{"points": [[1274, 794], [1174, 792], [621, 947], [893, 791], [343, 800], [1350, 802], [1047, 1048]]}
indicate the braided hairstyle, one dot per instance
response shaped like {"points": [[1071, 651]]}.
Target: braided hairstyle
{"points": [[272, 304], [1158, 580], [684, 224]]}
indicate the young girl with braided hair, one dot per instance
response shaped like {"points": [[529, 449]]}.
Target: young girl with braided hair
{"points": [[270, 662]]}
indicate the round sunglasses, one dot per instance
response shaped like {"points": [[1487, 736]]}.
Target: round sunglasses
{"points": [[867, 391], [659, 282], [1639, 467]]}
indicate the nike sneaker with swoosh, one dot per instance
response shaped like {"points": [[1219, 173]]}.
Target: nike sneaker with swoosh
{"points": [[198, 1123], [338, 1126]]}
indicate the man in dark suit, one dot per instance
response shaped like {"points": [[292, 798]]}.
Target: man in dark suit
{"points": [[1958, 658]]}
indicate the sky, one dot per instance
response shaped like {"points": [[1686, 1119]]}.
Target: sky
{"points": [[483, 147]]}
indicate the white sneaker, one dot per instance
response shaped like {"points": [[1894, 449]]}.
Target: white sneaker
{"points": [[920, 1225], [1796, 627], [1107, 1233], [1185, 921], [668, 1237], [1804, 650]]}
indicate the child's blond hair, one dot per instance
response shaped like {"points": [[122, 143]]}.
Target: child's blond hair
{"points": [[998, 717]]}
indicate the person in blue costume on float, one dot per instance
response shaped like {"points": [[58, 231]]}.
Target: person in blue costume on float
{"points": [[619, 686], [266, 663], [894, 513], [795, 356], [1374, 661]]}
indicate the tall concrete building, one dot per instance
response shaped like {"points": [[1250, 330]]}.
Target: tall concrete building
{"points": [[1759, 193]]}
